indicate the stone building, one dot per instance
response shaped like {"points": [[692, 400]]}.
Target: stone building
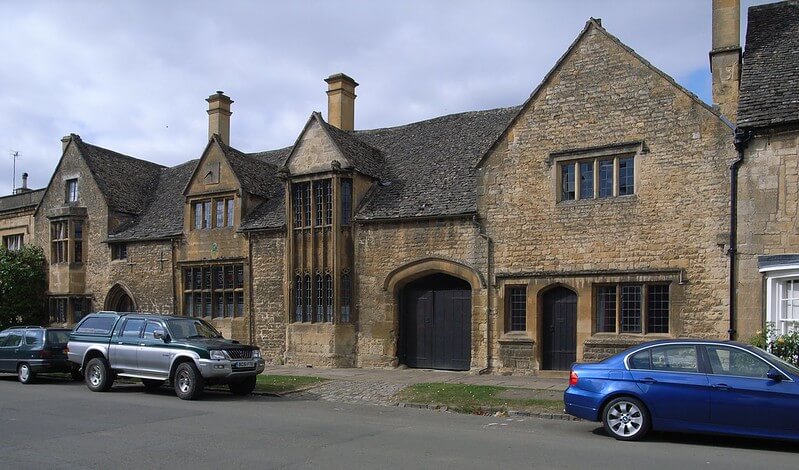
{"points": [[766, 275], [593, 216], [16, 216]]}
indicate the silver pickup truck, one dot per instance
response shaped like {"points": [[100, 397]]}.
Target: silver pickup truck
{"points": [[187, 352]]}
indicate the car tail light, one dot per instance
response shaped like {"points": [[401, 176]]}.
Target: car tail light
{"points": [[573, 378]]}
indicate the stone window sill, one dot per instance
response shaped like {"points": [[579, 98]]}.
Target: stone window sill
{"points": [[516, 337]]}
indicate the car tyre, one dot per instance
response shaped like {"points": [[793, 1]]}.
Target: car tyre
{"points": [[151, 385], [626, 419], [189, 383], [98, 375], [25, 374], [243, 387]]}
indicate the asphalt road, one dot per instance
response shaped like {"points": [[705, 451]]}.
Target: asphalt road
{"points": [[61, 424]]}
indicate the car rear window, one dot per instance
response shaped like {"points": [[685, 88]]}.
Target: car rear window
{"points": [[677, 358], [96, 326], [57, 337]]}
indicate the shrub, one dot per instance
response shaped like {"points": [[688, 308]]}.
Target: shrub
{"points": [[785, 346], [22, 286]]}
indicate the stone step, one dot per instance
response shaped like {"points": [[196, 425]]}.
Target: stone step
{"points": [[553, 374]]}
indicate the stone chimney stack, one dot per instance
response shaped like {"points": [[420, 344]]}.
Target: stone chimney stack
{"points": [[341, 101], [219, 116], [725, 57], [66, 140], [24, 188]]}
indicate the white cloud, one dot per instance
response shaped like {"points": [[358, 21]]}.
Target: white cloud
{"points": [[133, 76]]}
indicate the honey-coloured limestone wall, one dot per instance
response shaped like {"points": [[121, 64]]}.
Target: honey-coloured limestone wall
{"points": [[599, 96]]}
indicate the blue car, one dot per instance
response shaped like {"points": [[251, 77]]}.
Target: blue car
{"points": [[719, 387]]}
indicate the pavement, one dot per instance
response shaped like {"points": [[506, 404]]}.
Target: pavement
{"points": [[379, 386]]}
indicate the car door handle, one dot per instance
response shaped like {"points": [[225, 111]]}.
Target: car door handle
{"points": [[648, 380], [721, 386], [141, 344]]}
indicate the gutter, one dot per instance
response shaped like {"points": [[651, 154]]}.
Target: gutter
{"points": [[741, 141]]}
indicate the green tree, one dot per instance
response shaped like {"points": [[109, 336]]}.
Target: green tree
{"points": [[22, 285]]}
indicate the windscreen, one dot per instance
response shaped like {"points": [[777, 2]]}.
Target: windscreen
{"points": [[191, 328]]}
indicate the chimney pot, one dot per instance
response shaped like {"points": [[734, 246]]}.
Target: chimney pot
{"points": [[219, 116], [341, 101]]}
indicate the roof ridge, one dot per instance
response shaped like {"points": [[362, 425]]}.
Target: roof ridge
{"points": [[118, 154], [425, 121], [22, 194]]}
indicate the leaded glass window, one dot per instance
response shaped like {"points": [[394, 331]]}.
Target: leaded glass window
{"points": [[517, 308], [346, 289], [605, 178], [346, 201], [215, 291], [567, 182], [606, 309], [586, 180], [320, 298], [630, 309], [626, 176], [328, 298], [657, 312]]}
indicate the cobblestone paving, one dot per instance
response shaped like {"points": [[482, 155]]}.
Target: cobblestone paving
{"points": [[352, 392]]}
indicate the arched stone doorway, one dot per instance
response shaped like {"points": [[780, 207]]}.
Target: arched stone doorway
{"points": [[435, 323], [119, 299], [559, 335]]}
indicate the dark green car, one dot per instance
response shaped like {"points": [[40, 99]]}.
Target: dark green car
{"points": [[31, 350], [187, 352]]}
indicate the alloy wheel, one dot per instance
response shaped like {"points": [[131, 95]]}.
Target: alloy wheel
{"points": [[625, 419]]}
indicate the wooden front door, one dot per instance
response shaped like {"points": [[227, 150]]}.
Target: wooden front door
{"points": [[435, 326], [559, 348]]}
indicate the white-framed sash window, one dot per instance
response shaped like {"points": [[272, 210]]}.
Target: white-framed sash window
{"points": [[782, 297]]}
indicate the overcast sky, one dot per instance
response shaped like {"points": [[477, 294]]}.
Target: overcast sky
{"points": [[133, 76]]}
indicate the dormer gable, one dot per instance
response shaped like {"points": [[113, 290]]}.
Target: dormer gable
{"points": [[213, 173], [315, 150]]}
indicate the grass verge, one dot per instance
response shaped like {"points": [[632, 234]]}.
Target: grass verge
{"points": [[285, 383], [479, 399]]}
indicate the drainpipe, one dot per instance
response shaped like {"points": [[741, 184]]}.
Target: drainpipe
{"points": [[742, 138]]}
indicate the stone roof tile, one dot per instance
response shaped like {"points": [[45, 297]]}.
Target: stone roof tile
{"points": [[770, 73]]}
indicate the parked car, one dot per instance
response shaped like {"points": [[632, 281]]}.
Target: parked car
{"points": [[31, 350], [187, 352], [719, 387]]}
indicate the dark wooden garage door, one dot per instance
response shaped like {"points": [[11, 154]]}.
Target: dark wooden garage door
{"points": [[560, 329], [435, 327]]}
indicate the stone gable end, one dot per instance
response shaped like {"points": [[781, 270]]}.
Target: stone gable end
{"points": [[213, 174], [603, 99], [315, 151]]}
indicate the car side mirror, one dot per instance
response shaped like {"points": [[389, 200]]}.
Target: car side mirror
{"points": [[160, 334], [775, 375]]}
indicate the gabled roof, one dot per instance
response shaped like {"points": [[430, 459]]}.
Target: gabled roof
{"points": [[164, 216], [362, 157], [596, 24], [127, 183], [256, 176], [429, 165], [29, 199], [770, 75]]}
